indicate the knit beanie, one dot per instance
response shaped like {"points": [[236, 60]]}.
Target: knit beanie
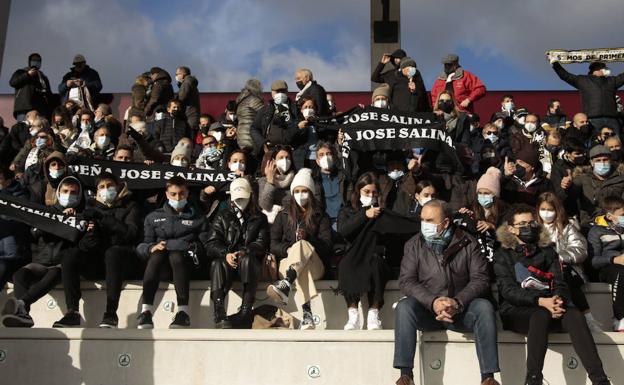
{"points": [[182, 148], [491, 181], [303, 179], [382, 90]]}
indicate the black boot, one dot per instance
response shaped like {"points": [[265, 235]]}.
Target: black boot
{"points": [[220, 315], [534, 379], [244, 318]]}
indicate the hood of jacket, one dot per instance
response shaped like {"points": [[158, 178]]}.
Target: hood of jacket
{"points": [[80, 192], [510, 241]]}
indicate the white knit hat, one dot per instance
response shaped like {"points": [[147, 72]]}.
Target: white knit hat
{"points": [[303, 179]]}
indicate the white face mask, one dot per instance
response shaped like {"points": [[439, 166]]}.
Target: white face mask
{"points": [[283, 165], [520, 120], [326, 162], [107, 195], [367, 201], [103, 141], [280, 98], [85, 126], [55, 174], [218, 135], [381, 103], [424, 201], [241, 203], [498, 125], [411, 71], [508, 106], [606, 72], [429, 230], [179, 163], [34, 131], [307, 112], [396, 174], [231, 117], [302, 198], [530, 127], [178, 79], [547, 215], [237, 166]]}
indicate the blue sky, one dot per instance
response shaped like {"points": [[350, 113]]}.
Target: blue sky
{"points": [[226, 42]]}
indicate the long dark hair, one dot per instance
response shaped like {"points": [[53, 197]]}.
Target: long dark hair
{"points": [[561, 217], [307, 216], [365, 179], [496, 211]]}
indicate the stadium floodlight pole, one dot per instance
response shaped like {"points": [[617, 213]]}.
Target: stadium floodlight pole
{"points": [[385, 30], [5, 7]]}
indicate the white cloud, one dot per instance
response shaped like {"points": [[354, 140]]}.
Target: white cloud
{"points": [[226, 42]]}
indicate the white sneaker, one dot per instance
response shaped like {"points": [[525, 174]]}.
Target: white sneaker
{"points": [[618, 325], [372, 320], [593, 325], [354, 320]]}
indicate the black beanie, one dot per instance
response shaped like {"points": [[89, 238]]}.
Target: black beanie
{"points": [[595, 66]]}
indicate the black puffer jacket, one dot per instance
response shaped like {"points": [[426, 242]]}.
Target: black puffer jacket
{"points": [[228, 235], [117, 225], [597, 92], [31, 92], [513, 256], [168, 132], [179, 230], [283, 235], [47, 248]]}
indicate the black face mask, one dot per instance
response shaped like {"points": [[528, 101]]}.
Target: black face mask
{"points": [[520, 172], [449, 69], [579, 161], [553, 149], [300, 85], [616, 155], [446, 106], [529, 234], [585, 129], [557, 111]]}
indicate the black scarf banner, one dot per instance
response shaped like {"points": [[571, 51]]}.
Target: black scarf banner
{"points": [[139, 176], [374, 129], [44, 218]]}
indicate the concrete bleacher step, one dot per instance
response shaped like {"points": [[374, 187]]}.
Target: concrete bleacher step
{"points": [[259, 357], [329, 309]]}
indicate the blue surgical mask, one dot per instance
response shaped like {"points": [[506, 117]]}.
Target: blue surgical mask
{"points": [[108, 195], [620, 221], [485, 200], [68, 200], [492, 138], [55, 174], [40, 142], [177, 205], [411, 71], [602, 169], [429, 230]]}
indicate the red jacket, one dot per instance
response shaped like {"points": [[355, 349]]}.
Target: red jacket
{"points": [[465, 85]]}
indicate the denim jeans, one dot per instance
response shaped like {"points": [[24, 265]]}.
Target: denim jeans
{"points": [[478, 317]]}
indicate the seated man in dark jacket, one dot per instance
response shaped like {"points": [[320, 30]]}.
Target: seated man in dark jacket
{"points": [[171, 235], [106, 249], [37, 278], [534, 297], [236, 242], [445, 281]]}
